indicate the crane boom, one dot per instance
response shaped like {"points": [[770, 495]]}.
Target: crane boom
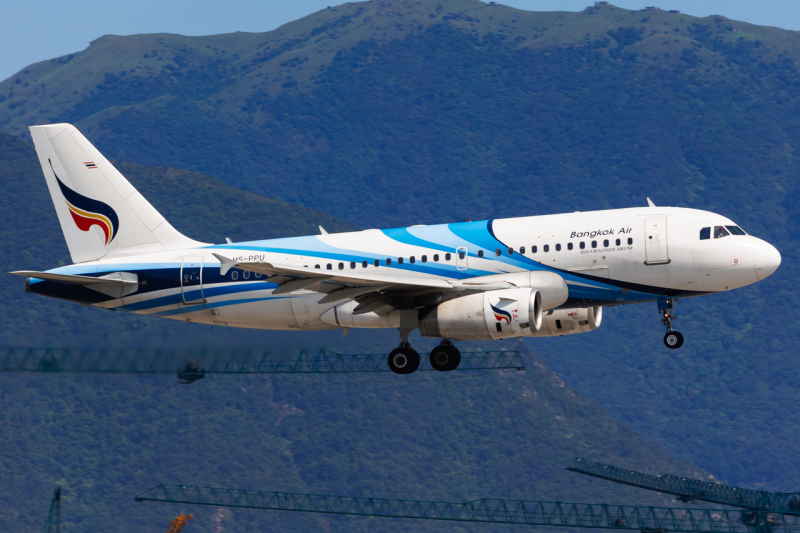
{"points": [[688, 490], [193, 365], [493, 511]]}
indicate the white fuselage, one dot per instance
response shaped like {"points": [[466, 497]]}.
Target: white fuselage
{"points": [[606, 258]]}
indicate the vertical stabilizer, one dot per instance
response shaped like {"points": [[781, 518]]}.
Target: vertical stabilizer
{"points": [[101, 213]]}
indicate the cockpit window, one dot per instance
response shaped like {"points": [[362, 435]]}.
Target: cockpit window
{"points": [[736, 230], [720, 231], [705, 233]]}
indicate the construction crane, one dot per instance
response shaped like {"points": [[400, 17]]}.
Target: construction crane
{"points": [[491, 511], [53, 524], [690, 490], [179, 523], [191, 366]]}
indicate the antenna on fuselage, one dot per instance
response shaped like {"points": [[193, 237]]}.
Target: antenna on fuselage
{"points": [[322, 231], [650, 202]]}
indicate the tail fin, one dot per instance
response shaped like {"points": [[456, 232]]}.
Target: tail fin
{"points": [[100, 212]]}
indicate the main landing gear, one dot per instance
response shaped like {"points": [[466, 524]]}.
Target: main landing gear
{"points": [[673, 339], [405, 360], [445, 357]]}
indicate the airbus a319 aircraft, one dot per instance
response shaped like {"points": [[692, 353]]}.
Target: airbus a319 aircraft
{"points": [[536, 276]]}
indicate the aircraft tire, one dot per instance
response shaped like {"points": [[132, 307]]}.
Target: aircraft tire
{"points": [[445, 358], [403, 360], [673, 340]]}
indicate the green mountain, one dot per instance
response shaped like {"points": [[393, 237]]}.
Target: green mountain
{"points": [[393, 113], [456, 437]]}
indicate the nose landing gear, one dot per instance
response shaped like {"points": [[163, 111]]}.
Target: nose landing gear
{"points": [[673, 339]]}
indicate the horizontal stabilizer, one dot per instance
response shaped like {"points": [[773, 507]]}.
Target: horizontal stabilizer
{"points": [[116, 284]]}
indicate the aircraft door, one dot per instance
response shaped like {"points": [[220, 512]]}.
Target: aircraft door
{"points": [[655, 241], [192, 280], [461, 258]]}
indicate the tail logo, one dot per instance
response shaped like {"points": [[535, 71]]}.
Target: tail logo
{"points": [[87, 212], [501, 315]]}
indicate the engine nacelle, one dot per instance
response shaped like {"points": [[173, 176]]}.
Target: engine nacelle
{"points": [[486, 315], [569, 321]]}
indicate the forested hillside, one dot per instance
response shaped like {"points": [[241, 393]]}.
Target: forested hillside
{"points": [[392, 113], [457, 437]]}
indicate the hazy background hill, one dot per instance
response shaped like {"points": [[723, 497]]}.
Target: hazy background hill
{"points": [[393, 113]]}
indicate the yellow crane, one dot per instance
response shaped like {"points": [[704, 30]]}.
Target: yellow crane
{"points": [[179, 523]]}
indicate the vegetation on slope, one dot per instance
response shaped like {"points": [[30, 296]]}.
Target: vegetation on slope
{"points": [[456, 437], [423, 112]]}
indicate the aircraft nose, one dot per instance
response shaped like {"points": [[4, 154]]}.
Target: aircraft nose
{"points": [[768, 259]]}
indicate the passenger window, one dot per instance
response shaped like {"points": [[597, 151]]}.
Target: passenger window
{"points": [[583, 245], [630, 240], [534, 249], [424, 258], [447, 257], [558, 247], [461, 255], [377, 262], [594, 244], [364, 263], [246, 274], [234, 275], [411, 260], [497, 252], [399, 260], [546, 248], [522, 250], [720, 231], [352, 264], [705, 234], [388, 262], [736, 230], [330, 266], [618, 242], [569, 246], [510, 251], [315, 266], [436, 257], [258, 276], [605, 243], [480, 253], [341, 266]]}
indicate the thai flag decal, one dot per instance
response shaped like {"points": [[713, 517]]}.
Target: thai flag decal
{"points": [[501, 315], [87, 212]]}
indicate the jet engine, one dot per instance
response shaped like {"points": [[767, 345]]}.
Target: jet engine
{"points": [[568, 321], [497, 314]]}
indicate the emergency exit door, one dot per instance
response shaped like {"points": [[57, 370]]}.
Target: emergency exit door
{"points": [[655, 241], [192, 280]]}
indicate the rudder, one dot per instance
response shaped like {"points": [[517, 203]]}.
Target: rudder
{"points": [[100, 212]]}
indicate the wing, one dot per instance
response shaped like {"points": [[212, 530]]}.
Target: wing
{"points": [[374, 292]]}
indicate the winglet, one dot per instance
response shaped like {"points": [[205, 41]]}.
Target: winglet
{"points": [[650, 202], [225, 264], [322, 231]]}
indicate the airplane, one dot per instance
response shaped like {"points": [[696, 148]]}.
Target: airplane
{"points": [[536, 276]]}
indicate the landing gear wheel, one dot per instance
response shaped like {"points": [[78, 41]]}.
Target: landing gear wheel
{"points": [[673, 340], [403, 359], [445, 357]]}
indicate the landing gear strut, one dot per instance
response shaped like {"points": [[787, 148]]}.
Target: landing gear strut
{"points": [[403, 359], [445, 357], [673, 339]]}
